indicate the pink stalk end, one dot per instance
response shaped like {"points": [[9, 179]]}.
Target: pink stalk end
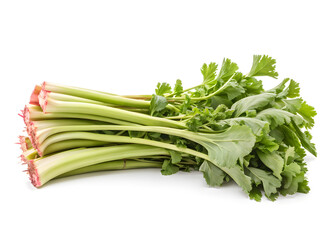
{"points": [[29, 125], [34, 96], [25, 114], [21, 114], [43, 97], [23, 143], [33, 174], [31, 130], [23, 159], [32, 133]]}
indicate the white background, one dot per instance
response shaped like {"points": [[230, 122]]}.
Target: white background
{"points": [[126, 47]]}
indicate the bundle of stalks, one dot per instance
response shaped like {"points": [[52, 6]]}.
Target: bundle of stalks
{"points": [[227, 127]]}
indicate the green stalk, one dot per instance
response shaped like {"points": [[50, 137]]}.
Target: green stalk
{"points": [[141, 97], [234, 172], [95, 95], [223, 87], [179, 117], [44, 169], [69, 98], [185, 90], [113, 165], [113, 138], [69, 144], [36, 113], [193, 136], [46, 124], [138, 110], [105, 111], [219, 145]]}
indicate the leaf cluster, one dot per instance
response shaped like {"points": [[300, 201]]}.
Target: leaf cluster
{"points": [[279, 122]]}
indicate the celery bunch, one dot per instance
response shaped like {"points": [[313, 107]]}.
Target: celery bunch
{"points": [[227, 127]]}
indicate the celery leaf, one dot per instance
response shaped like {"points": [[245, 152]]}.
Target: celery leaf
{"points": [[157, 104], [163, 88], [270, 183], [214, 176], [263, 66], [252, 103]]}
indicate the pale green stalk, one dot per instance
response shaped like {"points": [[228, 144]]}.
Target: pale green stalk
{"points": [[220, 90], [74, 143], [112, 138], [96, 95], [113, 165], [69, 98], [50, 167], [36, 113], [193, 136], [235, 172], [105, 111], [47, 124]]}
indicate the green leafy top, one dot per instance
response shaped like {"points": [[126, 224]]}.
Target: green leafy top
{"points": [[227, 147], [209, 72], [163, 88], [270, 183], [178, 89], [253, 136], [157, 104], [252, 103], [263, 66], [227, 70]]}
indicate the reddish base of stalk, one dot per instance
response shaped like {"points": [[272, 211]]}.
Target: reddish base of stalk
{"points": [[33, 174], [31, 129], [23, 159], [24, 148], [43, 96], [25, 114], [34, 96], [23, 144]]}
